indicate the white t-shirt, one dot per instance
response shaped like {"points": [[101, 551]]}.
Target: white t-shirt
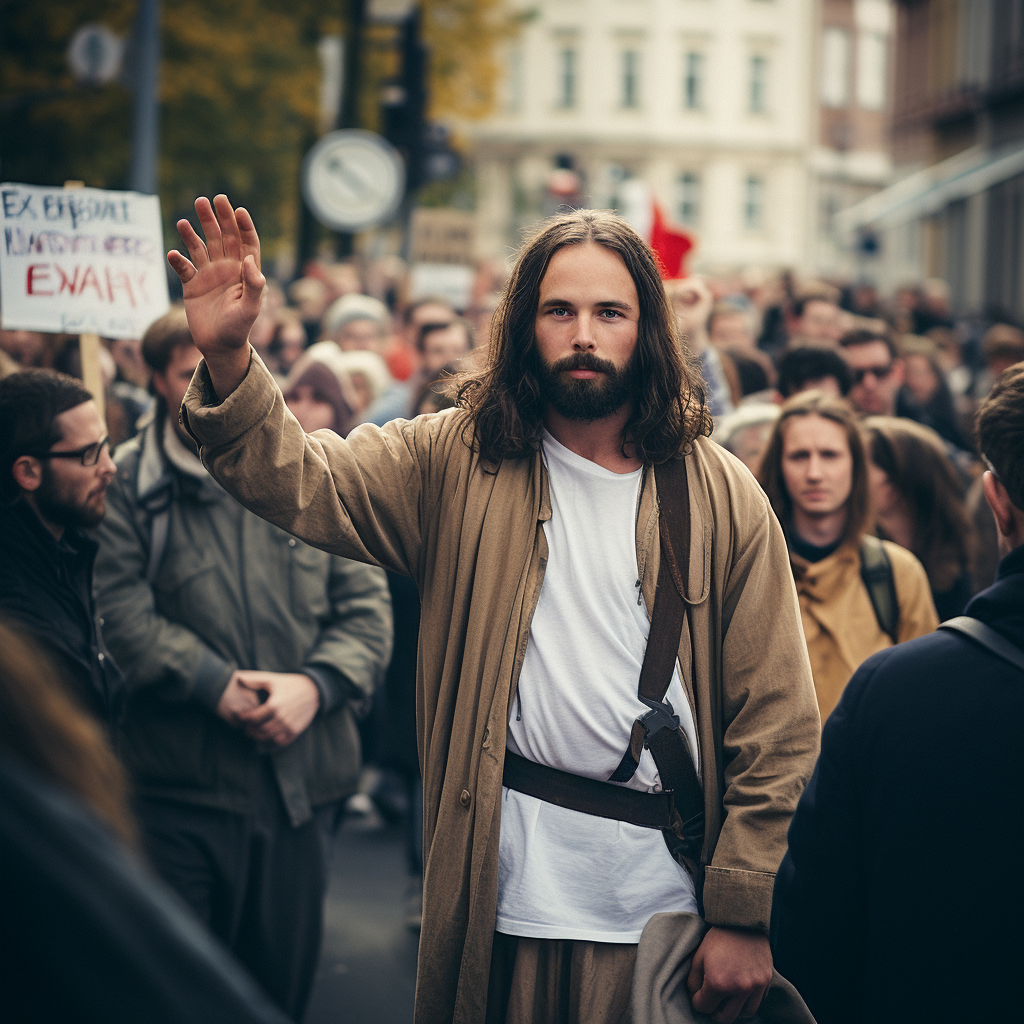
{"points": [[563, 874]]}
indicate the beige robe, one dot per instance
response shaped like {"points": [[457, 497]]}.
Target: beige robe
{"points": [[413, 497]]}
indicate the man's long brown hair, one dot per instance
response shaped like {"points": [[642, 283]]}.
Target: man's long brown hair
{"points": [[839, 411], [504, 399]]}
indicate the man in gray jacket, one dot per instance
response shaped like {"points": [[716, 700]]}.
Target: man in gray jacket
{"points": [[246, 653]]}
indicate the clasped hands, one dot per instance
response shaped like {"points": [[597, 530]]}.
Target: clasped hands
{"points": [[271, 707]]}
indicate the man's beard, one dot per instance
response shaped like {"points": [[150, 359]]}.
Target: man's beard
{"points": [[61, 510], [587, 400]]}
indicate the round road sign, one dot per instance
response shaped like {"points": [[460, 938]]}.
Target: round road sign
{"points": [[95, 55], [352, 180]]}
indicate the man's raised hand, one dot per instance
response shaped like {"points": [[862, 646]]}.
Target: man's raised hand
{"points": [[222, 286]]}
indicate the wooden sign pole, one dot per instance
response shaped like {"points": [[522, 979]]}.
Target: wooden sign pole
{"points": [[89, 353]]}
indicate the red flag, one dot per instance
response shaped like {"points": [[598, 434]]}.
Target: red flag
{"points": [[671, 245]]}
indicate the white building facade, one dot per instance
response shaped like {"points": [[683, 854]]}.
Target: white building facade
{"points": [[706, 101], [851, 155]]}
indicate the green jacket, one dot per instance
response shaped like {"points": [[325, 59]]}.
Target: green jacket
{"points": [[229, 591]]}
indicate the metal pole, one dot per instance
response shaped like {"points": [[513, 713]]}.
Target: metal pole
{"points": [[146, 66], [348, 109]]}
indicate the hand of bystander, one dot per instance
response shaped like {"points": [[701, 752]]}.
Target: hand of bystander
{"points": [[292, 701]]}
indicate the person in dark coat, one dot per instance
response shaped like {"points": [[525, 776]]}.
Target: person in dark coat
{"points": [[900, 896], [90, 935], [55, 470]]}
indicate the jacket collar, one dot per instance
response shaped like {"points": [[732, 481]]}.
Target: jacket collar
{"points": [[1002, 604], [25, 531], [160, 479], [825, 579]]}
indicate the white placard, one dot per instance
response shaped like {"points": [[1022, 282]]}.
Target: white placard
{"points": [[80, 260], [444, 280]]}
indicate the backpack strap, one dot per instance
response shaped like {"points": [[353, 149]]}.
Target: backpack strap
{"points": [[876, 572], [152, 509], [992, 640]]}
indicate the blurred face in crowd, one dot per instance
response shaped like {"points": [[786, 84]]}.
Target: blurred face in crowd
{"points": [[69, 491], [24, 347], [362, 335], [817, 466], [748, 444], [920, 378], [732, 330], [127, 355], [172, 384], [586, 330], [444, 345], [291, 341], [877, 378], [428, 313], [311, 411], [821, 321]]}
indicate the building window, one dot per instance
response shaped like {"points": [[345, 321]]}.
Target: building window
{"points": [[753, 202], [630, 79], [693, 81], [758, 97], [835, 68], [871, 69], [689, 199], [567, 59]]}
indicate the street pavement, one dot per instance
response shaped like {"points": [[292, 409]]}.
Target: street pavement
{"points": [[367, 972]]}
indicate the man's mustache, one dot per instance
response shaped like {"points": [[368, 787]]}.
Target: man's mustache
{"points": [[584, 361]]}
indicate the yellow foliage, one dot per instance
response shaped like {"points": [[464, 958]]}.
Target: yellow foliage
{"points": [[239, 92], [463, 37]]}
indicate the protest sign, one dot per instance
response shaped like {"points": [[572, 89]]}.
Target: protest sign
{"points": [[80, 260], [441, 243]]}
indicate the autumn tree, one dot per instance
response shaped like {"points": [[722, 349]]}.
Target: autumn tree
{"points": [[239, 93]]}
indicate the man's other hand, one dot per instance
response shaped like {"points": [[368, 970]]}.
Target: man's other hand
{"points": [[292, 701], [730, 974], [236, 700], [222, 286]]}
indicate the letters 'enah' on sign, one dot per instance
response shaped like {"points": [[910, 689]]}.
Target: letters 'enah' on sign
{"points": [[80, 260]]}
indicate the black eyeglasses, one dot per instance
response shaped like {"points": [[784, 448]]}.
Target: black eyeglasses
{"points": [[88, 456], [878, 372]]}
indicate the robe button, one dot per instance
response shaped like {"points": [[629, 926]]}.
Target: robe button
{"points": [[465, 798]]}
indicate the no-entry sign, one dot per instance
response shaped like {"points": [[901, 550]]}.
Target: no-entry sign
{"points": [[82, 260]]}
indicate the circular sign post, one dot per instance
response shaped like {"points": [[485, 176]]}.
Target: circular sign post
{"points": [[95, 55], [352, 180]]}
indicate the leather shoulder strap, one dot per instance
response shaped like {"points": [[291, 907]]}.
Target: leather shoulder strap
{"points": [[876, 571], [668, 612], [987, 637], [658, 729]]}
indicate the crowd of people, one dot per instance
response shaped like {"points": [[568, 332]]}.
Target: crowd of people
{"points": [[199, 664]]}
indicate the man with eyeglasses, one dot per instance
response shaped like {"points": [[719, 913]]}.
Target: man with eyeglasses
{"points": [[56, 468], [876, 369]]}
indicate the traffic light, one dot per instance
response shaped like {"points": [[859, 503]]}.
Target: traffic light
{"points": [[425, 146]]}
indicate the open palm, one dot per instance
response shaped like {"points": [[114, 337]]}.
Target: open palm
{"points": [[221, 280]]}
